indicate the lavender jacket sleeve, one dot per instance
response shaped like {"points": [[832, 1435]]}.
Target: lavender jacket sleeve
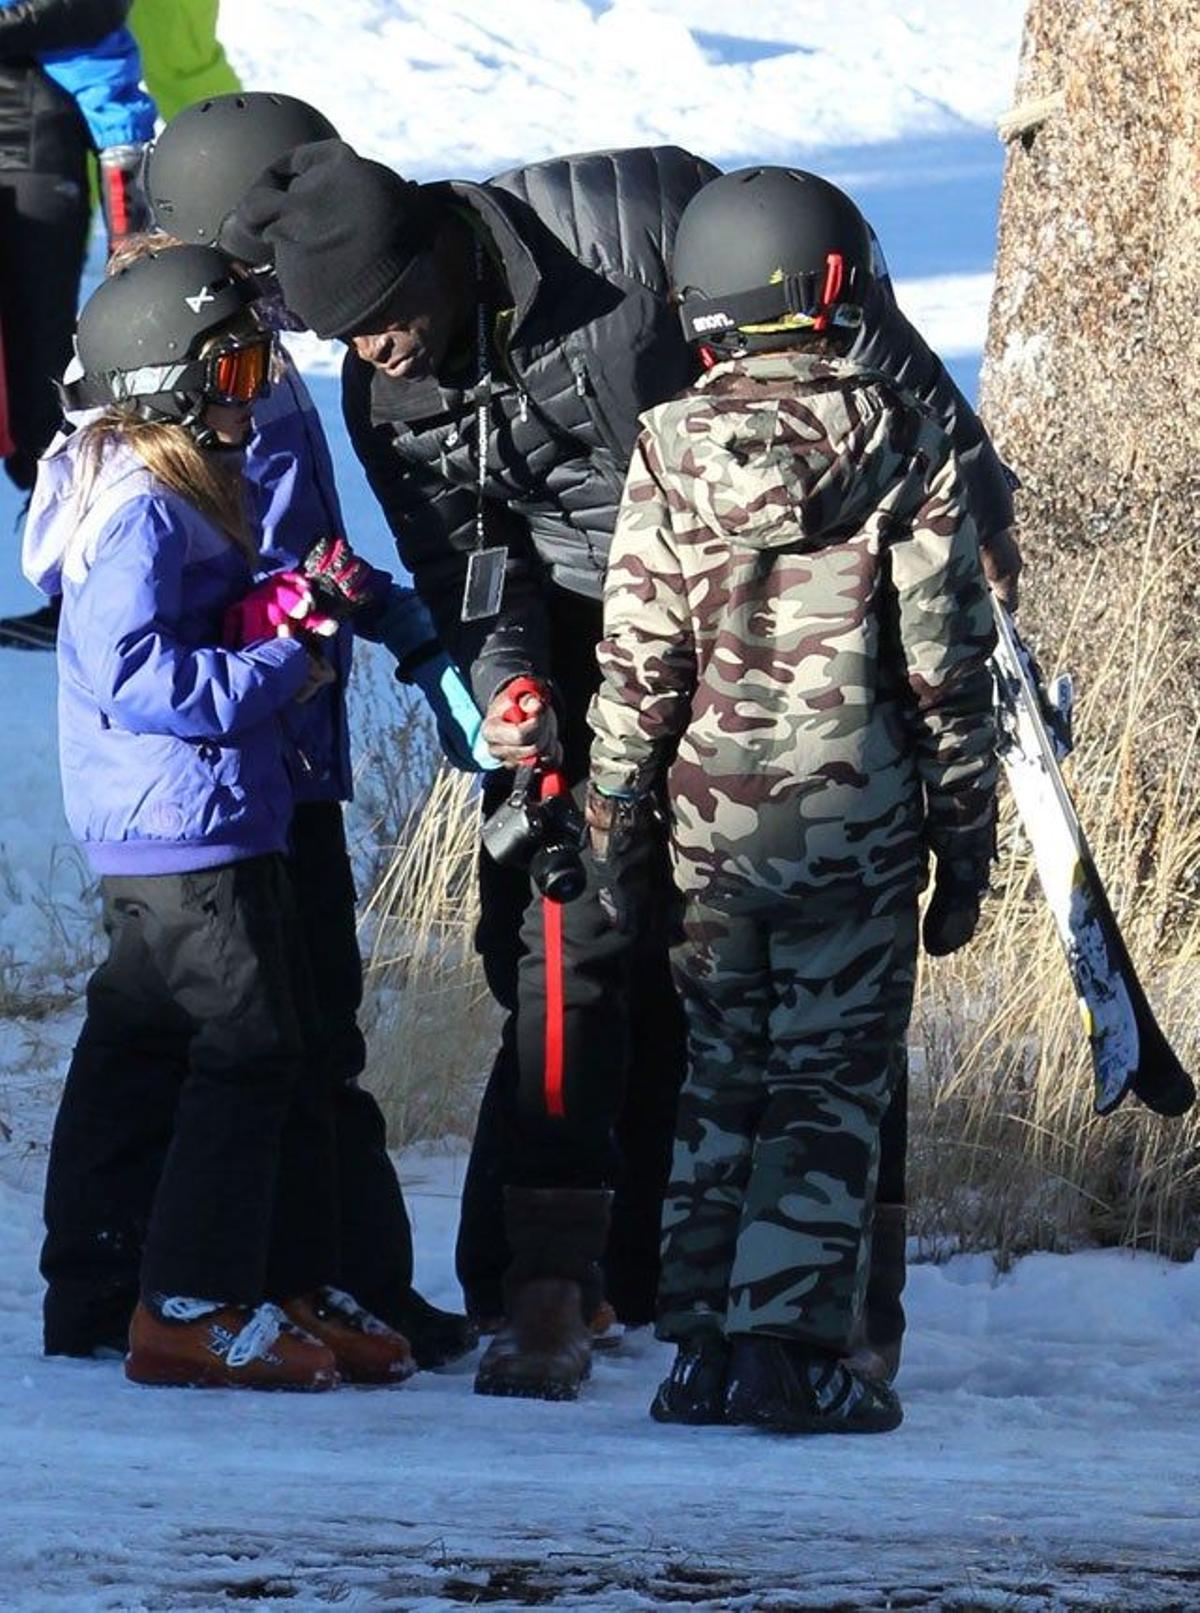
{"points": [[133, 635]]}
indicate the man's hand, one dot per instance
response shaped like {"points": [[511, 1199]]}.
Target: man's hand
{"points": [[1002, 567], [532, 740]]}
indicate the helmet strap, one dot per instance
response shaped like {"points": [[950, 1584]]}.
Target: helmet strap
{"points": [[835, 273]]}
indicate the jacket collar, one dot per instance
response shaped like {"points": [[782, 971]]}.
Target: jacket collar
{"points": [[543, 278]]}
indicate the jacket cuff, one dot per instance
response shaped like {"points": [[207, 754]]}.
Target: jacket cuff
{"points": [[281, 652]]}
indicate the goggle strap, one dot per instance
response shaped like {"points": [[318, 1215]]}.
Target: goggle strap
{"points": [[196, 376], [709, 318]]}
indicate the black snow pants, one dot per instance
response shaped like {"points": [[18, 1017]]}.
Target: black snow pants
{"points": [[99, 1209], [610, 1121], [200, 1028], [376, 1257]]}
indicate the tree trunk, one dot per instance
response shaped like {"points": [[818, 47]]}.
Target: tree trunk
{"points": [[1089, 382]]}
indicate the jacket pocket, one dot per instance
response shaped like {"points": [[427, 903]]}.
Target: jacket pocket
{"points": [[590, 395]]}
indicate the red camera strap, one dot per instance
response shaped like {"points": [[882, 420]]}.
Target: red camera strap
{"points": [[554, 1051]]}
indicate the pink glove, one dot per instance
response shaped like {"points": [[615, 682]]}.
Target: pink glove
{"points": [[281, 606], [346, 584]]}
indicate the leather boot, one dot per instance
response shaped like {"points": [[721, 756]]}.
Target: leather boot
{"points": [[192, 1344], [544, 1349], [875, 1349], [366, 1350]]}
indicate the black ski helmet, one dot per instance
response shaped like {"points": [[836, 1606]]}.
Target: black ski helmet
{"points": [[209, 155], [141, 331], [769, 246]]}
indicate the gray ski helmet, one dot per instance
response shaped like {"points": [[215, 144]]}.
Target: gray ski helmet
{"points": [[209, 155], [762, 246], [141, 331]]}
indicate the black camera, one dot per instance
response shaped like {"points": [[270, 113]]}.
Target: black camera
{"points": [[541, 828]]}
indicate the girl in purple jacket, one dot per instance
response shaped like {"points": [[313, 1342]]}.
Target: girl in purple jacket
{"points": [[92, 1280], [176, 781]]}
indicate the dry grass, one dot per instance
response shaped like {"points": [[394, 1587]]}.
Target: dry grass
{"points": [[430, 1023], [1006, 1151]]}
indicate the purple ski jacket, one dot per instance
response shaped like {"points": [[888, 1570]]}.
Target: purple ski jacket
{"points": [[290, 467], [288, 464], [172, 748]]}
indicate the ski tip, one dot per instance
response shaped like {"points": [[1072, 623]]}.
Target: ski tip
{"points": [[1170, 1092], [1106, 1101]]}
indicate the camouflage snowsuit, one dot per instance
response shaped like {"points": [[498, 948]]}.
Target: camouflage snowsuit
{"points": [[797, 627]]}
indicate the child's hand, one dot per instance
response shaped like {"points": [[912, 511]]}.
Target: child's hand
{"points": [[953, 911], [320, 674], [283, 605], [345, 584]]}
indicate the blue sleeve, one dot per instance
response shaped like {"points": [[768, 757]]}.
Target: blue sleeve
{"points": [[105, 80], [289, 463], [129, 633], [404, 625]]}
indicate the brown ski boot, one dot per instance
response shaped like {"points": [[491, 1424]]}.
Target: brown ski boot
{"points": [[875, 1351], [189, 1343], [544, 1349], [367, 1351]]}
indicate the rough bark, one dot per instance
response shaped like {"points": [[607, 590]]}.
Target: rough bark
{"points": [[1094, 338]]}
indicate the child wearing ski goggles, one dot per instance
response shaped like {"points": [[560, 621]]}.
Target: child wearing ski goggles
{"points": [[238, 371]]}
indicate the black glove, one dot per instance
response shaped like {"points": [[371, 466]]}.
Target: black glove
{"points": [[953, 911], [346, 584]]}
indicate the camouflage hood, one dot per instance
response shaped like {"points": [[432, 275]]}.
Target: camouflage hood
{"points": [[796, 631], [765, 475]]}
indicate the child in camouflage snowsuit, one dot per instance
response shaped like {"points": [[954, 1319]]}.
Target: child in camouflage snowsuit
{"points": [[796, 638]]}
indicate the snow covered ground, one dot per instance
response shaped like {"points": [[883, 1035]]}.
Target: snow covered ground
{"points": [[1049, 1459]]}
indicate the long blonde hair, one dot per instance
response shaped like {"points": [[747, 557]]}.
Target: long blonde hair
{"points": [[213, 486]]}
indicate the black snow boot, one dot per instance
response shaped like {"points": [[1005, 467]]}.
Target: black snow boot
{"points": [[87, 1318], [795, 1388], [436, 1337], [875, 1350], [544, 1349], [694, 1392]]}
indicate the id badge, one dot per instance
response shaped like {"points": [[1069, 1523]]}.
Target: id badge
{"points": [[484, 590]]}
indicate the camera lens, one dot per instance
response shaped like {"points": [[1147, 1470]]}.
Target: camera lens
{"points": [[558, 872]]}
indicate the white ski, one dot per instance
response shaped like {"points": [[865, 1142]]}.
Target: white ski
{"points": [[1129, 1051]]}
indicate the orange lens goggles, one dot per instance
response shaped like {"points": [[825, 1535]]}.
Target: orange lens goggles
{"points": [[239, 374]]}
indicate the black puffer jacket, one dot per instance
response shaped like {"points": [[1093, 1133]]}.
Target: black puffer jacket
{"points": [[889, 343], [581, 242], [39, 122]]}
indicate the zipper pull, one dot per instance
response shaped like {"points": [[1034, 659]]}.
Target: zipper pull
{"points": [[523, 406], [579, 371]]}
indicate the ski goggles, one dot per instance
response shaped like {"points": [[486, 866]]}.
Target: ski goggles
{"points": [[238, 373], [804, 301]]}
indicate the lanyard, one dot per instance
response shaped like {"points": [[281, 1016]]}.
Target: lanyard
{"points": [[483, 591]]}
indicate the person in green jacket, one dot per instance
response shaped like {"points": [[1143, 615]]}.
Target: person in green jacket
{"points": [[182, 59]]}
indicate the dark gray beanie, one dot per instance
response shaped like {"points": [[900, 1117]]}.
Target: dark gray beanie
{"points": [[341, 231]]}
